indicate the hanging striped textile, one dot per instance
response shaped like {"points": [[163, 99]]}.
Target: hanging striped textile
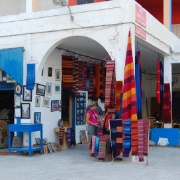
{"points": [[102, 82], [158, 83], [134, 137], [93, 141], [97, 145], [126, 137], [119, 85], [166, 109], [138, 84], [61, 136], [140, 140], [102, 148], [67, 72], [146, 136], [129, 90], [110, 68], [119, 137], [161, 81], [129, 110], [113, 125], [116, 135]]}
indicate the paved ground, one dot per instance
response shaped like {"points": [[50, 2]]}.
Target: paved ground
{"points": [[75, 164]]}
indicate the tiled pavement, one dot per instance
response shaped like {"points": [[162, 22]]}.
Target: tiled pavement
{"points": [[75, 164]]}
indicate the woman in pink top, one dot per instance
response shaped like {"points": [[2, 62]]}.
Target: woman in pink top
{"points": [[92, 120]]}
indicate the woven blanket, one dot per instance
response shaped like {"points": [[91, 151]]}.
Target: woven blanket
{"points": [[129, 90], [93, 140], [158, 83], [140, 140], [30, 80], [119, 137], [113, 131], [166, 110], [134, 137], [146, 136], [102, 148], [126, 137], [97, 145]]}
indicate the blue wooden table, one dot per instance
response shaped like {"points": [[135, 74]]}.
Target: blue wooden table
{"points": [[28, 128]]}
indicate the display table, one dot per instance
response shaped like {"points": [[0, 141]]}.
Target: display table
{"points": [[28, 128]]}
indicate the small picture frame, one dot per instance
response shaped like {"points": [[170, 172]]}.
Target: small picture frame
{"points": [[27, 94], [48, 88], [54, 105], [17, 112], [57, 74], [37, 101], [37, 118], [17, 100], [25, 110], [40, 89], [17, 89], [49, 71], [46, 102], [57, 88], [1, 76], [9, 79]]}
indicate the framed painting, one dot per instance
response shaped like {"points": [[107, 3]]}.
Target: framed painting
{"points": [[57, 88], [46, 102], [54, 105], [48, 88], [38, 101], [17, 100], [25, 110], [57, 75], [9, 79], [37, 117], [27, 94], [49, 71], [40, 89], [17, 112]]}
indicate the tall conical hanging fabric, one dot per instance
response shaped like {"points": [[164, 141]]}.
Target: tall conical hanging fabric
{"points": [[129, 90], [129, 109]]}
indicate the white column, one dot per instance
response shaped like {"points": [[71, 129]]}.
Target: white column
{"points": [[31, 5]]}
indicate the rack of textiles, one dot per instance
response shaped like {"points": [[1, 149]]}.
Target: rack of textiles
{"points": [[124, 142], [81, 75]]}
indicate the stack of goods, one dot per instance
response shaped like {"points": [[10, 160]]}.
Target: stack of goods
{"points": [[101, 147], [121, 141]]}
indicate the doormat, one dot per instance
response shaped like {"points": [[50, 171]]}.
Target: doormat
{"points": [[5, 153]]}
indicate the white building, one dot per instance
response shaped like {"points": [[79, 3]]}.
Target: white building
{"points": [[98, 30]]}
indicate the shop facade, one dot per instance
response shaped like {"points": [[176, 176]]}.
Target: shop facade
{"points": [[99, 31]]}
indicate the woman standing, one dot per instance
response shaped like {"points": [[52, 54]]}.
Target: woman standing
{"points": [[92, 121]]}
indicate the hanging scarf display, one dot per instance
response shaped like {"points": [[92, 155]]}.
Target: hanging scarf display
{"points": [[138, 84], [126, 137], [110, 67], [158, 96], [30, 80], [119, 85], [140, 140], [166, 109]]}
